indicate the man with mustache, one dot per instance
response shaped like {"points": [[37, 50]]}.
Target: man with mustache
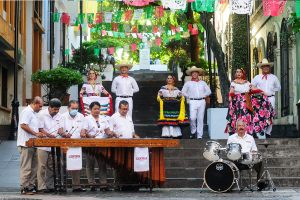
{"points": [[248, 145]]}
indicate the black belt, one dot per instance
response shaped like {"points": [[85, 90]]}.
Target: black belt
{"points": [[196, 99], [271, 96], [125, 96]]}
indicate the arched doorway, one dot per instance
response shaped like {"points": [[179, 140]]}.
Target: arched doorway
{"points": [[284, 62], [270, 50]]}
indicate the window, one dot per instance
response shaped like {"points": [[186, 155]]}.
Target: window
{"points": [[4, 88], [38, 10], [270, 50], [284, 59]]}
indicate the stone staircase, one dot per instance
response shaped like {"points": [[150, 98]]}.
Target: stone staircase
{"points": [[185, 165]]}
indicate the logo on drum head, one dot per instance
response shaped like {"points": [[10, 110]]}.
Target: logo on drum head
{"points": [[219, 167]]}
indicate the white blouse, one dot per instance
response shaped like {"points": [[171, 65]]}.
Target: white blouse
{"points": [[165, 92], [240, 87], [92, 88]]}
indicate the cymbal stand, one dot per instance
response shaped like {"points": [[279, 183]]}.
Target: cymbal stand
{"points": [[266, 172]]}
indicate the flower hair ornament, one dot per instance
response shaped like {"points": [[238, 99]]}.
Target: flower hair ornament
{"points": [[174, 79]]}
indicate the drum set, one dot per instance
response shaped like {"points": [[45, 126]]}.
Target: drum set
{"points": [[223, 175]]}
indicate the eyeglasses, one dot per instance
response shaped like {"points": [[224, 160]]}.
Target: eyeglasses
{"points": [[98, 124], [124, 109]]}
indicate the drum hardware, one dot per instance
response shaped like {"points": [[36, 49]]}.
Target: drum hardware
{"points": [[266, 172], [221, 176]]}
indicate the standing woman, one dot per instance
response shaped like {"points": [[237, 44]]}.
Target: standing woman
{"points": [[96, 126], [241, 104], [170, 109], [92, 88]]}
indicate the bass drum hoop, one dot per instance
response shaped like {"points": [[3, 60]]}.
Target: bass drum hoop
{"points": [[232, 174]]}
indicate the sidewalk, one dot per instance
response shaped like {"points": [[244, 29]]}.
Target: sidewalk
{"points": [[10, 186]]}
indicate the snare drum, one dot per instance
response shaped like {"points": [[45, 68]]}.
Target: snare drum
{"points": [[234, 151], [221, 176], [211, 151], [251, 158]]}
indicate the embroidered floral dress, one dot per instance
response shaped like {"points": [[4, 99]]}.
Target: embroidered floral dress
{"points": [[172, 130], [92, 89], [257, 114]]}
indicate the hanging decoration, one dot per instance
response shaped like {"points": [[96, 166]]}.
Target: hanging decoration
{"points": [[118, 16], [149, 44], [273, 7], [127, 27], [103, 51], [56, 17], [297, 8], [80, 18], [126, 48], [96, 52], [134, 35], [67, 51], [111, 50], [177, 36], [122, 35], [241, 6], [65, 18], [200, 5], [155, 28], [116, 34], [149, 11], [159, 11], [99, 17], [128, 15], [90, 18], [115, 26], [134, 29], [174, 4], [166, 40], [138, 3], [108, 17], [133, 47], [158, 41], [141, 28], [138, 13], [103, 32]]}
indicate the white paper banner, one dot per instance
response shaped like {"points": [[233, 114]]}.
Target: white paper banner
{"points": [[126, 48], [74, 159], [138, 14], [186, 34], [110, 33], [174, 4], [104, 51], [149, 44], [127, 28], [134, 35], [141, 159], [241, 6], [108, 17], [73, 18]]}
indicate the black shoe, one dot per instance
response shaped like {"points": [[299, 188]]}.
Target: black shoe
{"points": [[261, 186], [105, 189], [79, 190], [47, 190], [93, 189], [36, 191], [26, 191], [199, 138], [192, 136], [268, 136]]}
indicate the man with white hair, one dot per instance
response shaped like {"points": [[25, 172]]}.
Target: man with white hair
{"points": [[268, 83], [248, 145]]}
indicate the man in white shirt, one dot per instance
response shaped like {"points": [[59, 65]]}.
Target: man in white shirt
{"points": [[28, 128], [73, 122], [50, 123], [268, 83], [247, 143], [196, 90], [121, 124], [124, 86]]}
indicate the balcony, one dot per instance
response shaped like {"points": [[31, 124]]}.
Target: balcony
{"points": [[7, 36]]}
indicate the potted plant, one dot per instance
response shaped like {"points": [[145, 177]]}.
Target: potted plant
{"points": [[57, 81]]}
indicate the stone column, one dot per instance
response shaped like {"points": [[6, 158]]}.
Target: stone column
{"points": [[294, 100], [277, 72]]}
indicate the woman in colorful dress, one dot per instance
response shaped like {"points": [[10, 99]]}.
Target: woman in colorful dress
{"points": [[171, 122], [91, 87], [244, 105]]}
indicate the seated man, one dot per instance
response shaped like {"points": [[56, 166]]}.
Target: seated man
{"points": [[248, 145], [121, 124]]}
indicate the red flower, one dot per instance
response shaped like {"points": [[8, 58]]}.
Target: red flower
{"points": [[261, 113], [257, 129]]}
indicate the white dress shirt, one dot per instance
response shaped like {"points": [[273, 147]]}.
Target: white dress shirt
{"points": [[124, 86], [49, 124], [29, 118], [269, 85], [122, 126], [240, 88], [247, 142], [91, 126], [73, 125], [196, 90]]}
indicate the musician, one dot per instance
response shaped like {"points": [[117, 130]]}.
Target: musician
{"points": [[268, 83], [247, 143], [96, 126], [197, 91], [122, 125], [50, 124], [73, 128], [28, 128], [124, 86]]}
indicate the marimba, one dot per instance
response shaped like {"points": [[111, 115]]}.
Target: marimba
{"points": [[118, 153]]}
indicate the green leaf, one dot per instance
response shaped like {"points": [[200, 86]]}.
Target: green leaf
{"points": [[290, 21]]}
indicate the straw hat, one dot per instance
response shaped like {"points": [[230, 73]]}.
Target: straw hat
{"points": [[194, 69], [265, 62], [123, 64]]}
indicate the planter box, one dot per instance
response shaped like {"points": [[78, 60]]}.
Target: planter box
{"points": [[216, 121]]}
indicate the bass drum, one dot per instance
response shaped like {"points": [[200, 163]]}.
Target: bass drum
{"points": [[220, 176]]}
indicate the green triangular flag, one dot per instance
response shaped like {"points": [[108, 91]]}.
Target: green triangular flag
{"points": [[93, 30], [67, 51], [56, 17], [90, 17], [122, 35], [116, 34], [177, 36], [96, 52], [118, 16], [148, 12], [149, 29], [166, 40]]}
